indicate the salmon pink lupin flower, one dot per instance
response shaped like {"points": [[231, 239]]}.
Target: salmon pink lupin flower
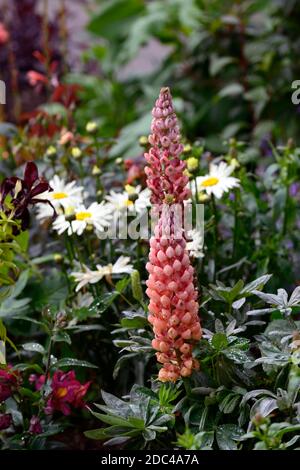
{"points": [[173, 307]]}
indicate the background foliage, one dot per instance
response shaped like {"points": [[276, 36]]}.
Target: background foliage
{"points": [[230, 65]]}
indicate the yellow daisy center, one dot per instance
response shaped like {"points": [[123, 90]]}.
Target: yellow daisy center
{"points": [[128, 203], [59, 195], [129, 189], [212, 181], [83, 215]]}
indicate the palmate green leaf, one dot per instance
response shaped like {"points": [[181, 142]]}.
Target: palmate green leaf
{"points": [[236, 355], [228, 294], [150, 434], [256, 285], [139, 417], [219, 341], [228, 435], [115, 404]]}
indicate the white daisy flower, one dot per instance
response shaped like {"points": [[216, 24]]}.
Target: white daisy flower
{"points": [[64, 195], [121, 266], [96, 215], [218, 181], [120, 201], [83, 300], [86, 277], [195, 244], [61, 224], [143, 201]]}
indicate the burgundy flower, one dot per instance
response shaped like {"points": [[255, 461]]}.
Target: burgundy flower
{"points": [[66, 392], [9, 382], [34, 78], [4, 34], [135, 170], [35, 425], [5, 421], [24, 192]]}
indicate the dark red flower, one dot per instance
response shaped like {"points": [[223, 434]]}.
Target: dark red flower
{"points": [[35, 426], [24, 192], [4, 34], [135, 170], [34, 78], [66, 94], [66, 392], [9, 382], [5, 421]]}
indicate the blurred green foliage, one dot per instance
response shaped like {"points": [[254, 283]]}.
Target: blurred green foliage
{"points": [[232, 63]]}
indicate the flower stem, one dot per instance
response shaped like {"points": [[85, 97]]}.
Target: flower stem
{"points": [[286, 210], [216, 235], [236, 226]]}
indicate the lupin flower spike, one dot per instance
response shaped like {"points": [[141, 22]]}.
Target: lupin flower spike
{"points": [[173, 307]]}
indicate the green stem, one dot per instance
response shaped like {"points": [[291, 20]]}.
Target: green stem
{"points": [[216, 235], [236, 226], [48, 362], [286, 210]]}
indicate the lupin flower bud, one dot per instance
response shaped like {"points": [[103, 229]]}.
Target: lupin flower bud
{"points": [[173, 307], [165, 171]]}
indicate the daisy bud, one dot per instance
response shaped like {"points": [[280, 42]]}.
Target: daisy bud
{"points": [[91, 127]]}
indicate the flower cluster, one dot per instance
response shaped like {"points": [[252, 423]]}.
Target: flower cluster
{"points": [[73, 215], [165, 177], [9, 382], [173, 307], [66, 392]]}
